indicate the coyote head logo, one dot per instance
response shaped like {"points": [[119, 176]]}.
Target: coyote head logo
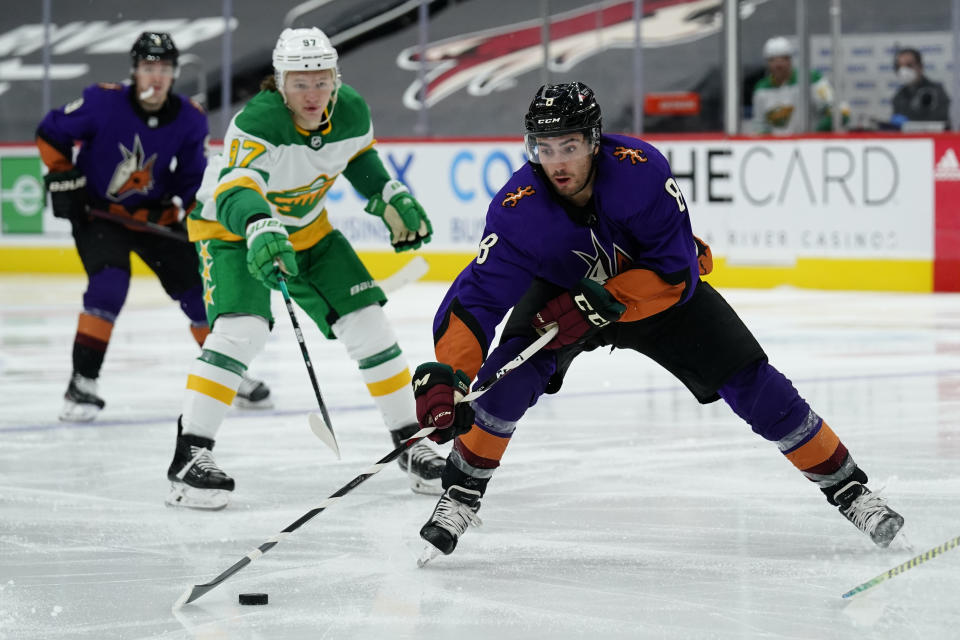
{"points": [[133, 174]]}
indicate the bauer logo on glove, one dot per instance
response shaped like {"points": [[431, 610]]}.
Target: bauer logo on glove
{"points": [[268, 247]]}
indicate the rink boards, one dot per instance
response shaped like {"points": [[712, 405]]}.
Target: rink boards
{"points": [[851, 212]]}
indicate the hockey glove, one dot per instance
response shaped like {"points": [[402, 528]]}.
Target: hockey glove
{"points": [[586, 307], [405, 219], [68, 193], [438, 392], [267, 244]]}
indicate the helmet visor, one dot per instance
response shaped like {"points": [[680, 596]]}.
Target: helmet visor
{"points": [[558, 146]]}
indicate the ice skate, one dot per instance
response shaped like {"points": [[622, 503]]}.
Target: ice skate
{"points": [[422, 464], [455, 511], [81, 402], [195, 479], [869, 512], [253, 394]]}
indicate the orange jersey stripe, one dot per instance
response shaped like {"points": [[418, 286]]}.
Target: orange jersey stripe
{"points": [[458, 347], [644, 292], [95, 327], [54, 160], [483, 444], [704, 257], [815, 451]]}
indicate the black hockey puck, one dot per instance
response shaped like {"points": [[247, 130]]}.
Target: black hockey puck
{"points": [[253, 598]]}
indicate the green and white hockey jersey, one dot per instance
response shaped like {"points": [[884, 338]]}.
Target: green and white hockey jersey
{"points": [[270, 165], [773, 106]]}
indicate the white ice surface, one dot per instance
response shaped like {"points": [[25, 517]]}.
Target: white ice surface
{"points": [[623, 508]]}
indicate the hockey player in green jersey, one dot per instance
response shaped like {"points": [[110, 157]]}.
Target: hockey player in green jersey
{"points": [[262, 205], [776, 95]]}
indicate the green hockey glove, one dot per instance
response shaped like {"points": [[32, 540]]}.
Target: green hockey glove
{"points": [[267, 244], [405, 219]]}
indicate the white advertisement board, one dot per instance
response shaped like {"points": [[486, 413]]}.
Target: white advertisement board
{"points": [[775, 201], [755, 201], [764, 201]]}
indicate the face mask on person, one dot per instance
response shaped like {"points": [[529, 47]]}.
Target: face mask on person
{"points": [[906, 75]]}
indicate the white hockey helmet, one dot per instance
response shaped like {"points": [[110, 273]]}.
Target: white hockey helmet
{"points": [[304, 50], [776, 47]]}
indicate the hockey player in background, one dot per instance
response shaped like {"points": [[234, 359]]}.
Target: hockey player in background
{"points": [[776, 95], [129, 136], [262, 205], [593, 234]]}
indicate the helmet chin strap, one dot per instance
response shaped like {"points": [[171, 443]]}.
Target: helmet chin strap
{"points": [[330, 107], [328, 110]]}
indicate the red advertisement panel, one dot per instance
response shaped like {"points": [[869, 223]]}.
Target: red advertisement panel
{"points": [[946, 176]]}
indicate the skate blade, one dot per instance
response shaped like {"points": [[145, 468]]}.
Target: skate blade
{"points": [[205, 499], [901, 542], [75, 412], [429, 553], [425, 487]]}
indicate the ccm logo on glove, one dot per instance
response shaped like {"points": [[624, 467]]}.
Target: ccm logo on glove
{"points": [[589, 312], [438, 390], [585, 307]]}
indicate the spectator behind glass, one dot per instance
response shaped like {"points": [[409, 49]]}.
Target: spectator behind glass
{"points": [[775, 96], [919, 99]]}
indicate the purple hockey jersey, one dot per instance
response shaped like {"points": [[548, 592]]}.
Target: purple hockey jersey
{"points": [[636, 239], [133, 160]]}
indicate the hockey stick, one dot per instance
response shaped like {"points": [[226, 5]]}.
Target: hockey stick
{"points": [[150, 227], [410, 272], [319, 424], [195, 592], [906, 566]]}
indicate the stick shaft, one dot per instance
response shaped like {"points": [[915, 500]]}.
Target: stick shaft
{"points": [[523, 356], [150, 227], [303, 349], [906, 566], [198, 590]]}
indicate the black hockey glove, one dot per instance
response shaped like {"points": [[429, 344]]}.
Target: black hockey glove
{"points": [[587, 306], [68, 193], [438, 391]]}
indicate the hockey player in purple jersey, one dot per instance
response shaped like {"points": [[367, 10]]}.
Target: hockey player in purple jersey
{"points": [[593, 235], [131, 138]]}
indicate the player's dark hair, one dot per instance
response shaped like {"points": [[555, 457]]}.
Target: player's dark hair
{"points": [[914, 52], [154, 45]]}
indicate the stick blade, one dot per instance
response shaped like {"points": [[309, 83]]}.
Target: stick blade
{"points": [[323, 431], [410, 272], [191, 594]]}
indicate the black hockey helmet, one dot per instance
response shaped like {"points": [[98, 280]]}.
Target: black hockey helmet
{"points": [[154, 45], [557, 109]]}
